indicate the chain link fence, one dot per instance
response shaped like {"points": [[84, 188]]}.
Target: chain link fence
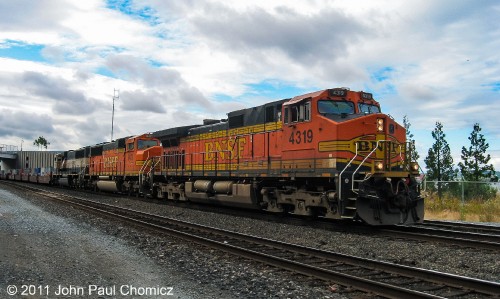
{"points": [[464, 190], [462, 200]]}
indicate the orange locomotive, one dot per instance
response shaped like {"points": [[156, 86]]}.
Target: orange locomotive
{"points": [[330, 153], [113, 166]]}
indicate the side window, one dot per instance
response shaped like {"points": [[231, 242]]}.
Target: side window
{"points": [[130, 146], [307, 111], [301, 112], [295, 114], [286, 115]]}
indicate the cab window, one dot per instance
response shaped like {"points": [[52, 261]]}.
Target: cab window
{"points": [[368, 108], [143, 144], [335, 107], [130, 146], [298, 113]]}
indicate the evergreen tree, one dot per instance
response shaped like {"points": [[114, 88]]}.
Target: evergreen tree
{"points": [[439, 161], [414, 156], [475, 161]]}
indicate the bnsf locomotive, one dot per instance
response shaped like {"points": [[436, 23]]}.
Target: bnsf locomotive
{"points": [[330, 153]]}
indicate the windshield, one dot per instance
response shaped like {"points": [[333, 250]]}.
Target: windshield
{"points": [[142, 144], [335, 107], [368, 108]]}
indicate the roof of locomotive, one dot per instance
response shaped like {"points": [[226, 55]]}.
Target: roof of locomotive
{"points": [[304, 96], [173, 132], [342, 92], [268, 112], [255, 115], [115, 144], [240, 118]]}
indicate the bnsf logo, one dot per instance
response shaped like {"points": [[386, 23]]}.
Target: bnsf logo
{"points": [[366, 146], [225, 149], [110, 161]]}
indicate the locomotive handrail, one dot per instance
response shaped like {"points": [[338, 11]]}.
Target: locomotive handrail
{"points": [[367, 156], [361, 164], [214, 164], [145, 165], [141, 171], [410, 147], [154, 166], [401, 153], [81, 174], [364, 160], [342, 172]]}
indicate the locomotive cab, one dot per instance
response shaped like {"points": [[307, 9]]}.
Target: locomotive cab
{"points": [[140, 150]]}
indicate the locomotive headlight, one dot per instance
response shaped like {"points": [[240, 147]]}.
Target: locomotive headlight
{"points": [[379, 165], [414, 167], [380, 124]]}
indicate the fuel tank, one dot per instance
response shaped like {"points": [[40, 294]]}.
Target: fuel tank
{"points": [[109, 186]]}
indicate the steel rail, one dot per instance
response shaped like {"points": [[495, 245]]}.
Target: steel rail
{"points": [[464, 239], [483, 241], [359, 283], [477, 227], [480, 286]]}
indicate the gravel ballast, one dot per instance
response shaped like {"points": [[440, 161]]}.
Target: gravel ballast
{"points": [[44, 253], [216, 274]]}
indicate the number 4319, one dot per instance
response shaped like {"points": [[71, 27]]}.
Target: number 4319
{"points": [[299, 137]]}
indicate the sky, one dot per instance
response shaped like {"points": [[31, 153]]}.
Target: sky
{"points": [[174, 63]]}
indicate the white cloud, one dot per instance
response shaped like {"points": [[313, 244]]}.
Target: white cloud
{"points": [[171, 60]]}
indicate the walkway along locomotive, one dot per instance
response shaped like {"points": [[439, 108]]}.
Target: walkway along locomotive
{"points": [[329, 153]]}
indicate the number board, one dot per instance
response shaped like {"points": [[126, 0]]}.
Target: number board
{"points": [[338, 92]]}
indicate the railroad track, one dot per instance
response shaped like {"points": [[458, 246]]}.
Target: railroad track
{"points": [[463, 226], [376, 277], [468, 235], [451, 236], [483, 237]]}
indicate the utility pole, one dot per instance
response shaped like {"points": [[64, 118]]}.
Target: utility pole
{"points": [[115, 97]]}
